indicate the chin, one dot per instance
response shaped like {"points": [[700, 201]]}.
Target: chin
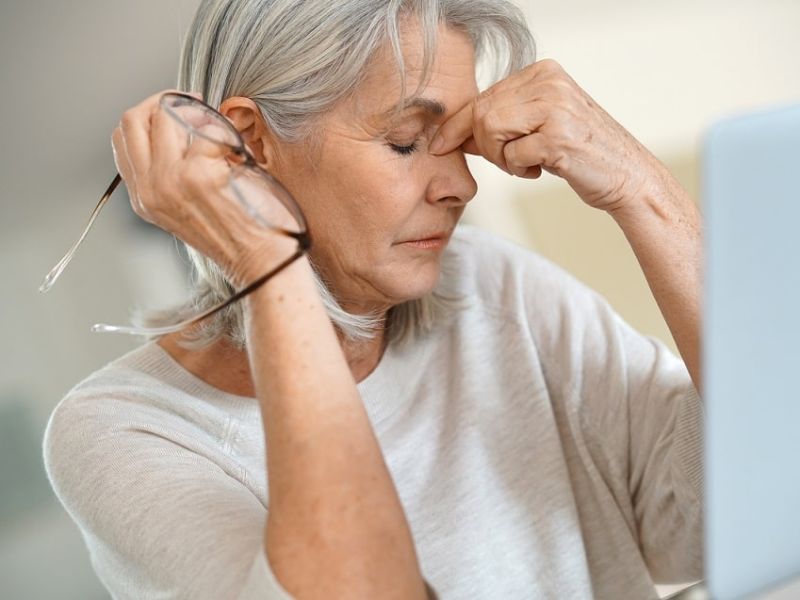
{"points": [[414, 282]]}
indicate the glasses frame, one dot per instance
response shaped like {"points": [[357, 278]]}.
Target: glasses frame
{"points": [[246, 160]]}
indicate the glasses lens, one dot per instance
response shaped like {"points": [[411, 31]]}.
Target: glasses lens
{"points": [[266, 200], [201, 120]]}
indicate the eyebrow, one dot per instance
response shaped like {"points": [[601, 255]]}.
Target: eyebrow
{"points": [[428, 104]]}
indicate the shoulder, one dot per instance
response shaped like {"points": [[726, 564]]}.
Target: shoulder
{"points": [[124, 405], [127, 387], [507, 277], [516, 292]]}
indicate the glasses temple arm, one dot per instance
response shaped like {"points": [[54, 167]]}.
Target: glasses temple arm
{"points": [[158, 331], [55, 272]]}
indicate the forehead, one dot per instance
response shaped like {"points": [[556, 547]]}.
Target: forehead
{"points": [[450, 85]]}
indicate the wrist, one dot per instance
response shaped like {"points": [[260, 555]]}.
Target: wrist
{"points": [[259, 259], [296, 280], [659, 198]]}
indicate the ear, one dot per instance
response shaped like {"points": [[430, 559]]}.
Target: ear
{"points": [[246, 117]]}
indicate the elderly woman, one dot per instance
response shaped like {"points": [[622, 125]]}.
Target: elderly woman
{"points": [[413, 407]]}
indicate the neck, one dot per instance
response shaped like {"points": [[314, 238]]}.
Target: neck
{"points": [[227, 368], [363, 356]]}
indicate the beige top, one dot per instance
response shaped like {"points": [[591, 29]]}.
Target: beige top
{"points": [[540, 446]]}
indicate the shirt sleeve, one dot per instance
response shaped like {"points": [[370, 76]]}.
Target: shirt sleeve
{"points": [[660, 444], [159, 519], [637, 410]]}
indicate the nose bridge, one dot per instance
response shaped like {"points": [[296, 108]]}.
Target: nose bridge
{"points": [[451, 178]]}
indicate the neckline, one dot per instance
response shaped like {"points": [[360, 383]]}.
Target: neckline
{"points": [[155, 360], [184, 379]]}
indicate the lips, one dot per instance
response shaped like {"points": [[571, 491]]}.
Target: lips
{"points": [[439, 235]]}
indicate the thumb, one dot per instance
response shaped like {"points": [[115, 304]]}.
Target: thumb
{"points": [[470, 146]]}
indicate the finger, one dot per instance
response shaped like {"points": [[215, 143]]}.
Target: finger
{"points": [[136, 132], [124, 168], [526, 155], [205, 171], [504, 123], [471, 146], [168, 140], [454, 131], [202, 145], [532, 172], [120, 156], [134, 128]]}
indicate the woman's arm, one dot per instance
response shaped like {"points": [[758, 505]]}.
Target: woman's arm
{"points": [[335, 526], [664, 228], [538, 119]]}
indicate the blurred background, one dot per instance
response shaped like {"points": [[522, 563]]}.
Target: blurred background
{"points": [[665, 70]]}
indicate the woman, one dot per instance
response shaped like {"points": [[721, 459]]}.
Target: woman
{"points": [[414, 403]]}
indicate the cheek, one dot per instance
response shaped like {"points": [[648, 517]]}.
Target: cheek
{"points": [[359, 199], [374, 199]]}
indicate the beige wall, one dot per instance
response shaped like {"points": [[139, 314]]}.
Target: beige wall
{"points": [[590, 245]]}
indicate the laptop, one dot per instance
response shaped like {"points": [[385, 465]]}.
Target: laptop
{"points": [[751, 358]]}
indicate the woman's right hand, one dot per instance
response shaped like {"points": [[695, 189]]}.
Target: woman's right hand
{"points": [[184, 188]]}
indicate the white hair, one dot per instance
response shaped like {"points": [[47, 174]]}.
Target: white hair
{"points": [[296, 59]]}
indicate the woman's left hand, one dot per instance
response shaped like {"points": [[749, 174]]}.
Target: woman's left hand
{"points": [[539, 118]]}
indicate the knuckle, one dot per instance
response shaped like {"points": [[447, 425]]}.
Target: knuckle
{"points": [[560, 160], [492, 121], [216, 171], [482, 104], [566, 110], [565, 87], [200, 177], [558, 90], [128, 119], [219, 175], [532, 121], [550, 65], [562, 120], [531, 70], [187, 179], [510, 154], [484, 94], [139, 206]]}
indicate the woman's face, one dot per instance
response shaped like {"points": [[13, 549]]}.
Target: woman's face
{"points": [[371, 185]]}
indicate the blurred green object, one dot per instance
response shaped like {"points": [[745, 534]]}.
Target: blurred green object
{"points": [[23, 482]]}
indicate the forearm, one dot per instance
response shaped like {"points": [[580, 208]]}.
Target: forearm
{"points": [[335, 526], [664, 228]]}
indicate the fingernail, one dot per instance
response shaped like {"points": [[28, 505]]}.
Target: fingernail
{"points": [[437, 144]]}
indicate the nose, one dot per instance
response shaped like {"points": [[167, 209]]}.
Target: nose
{"points": [[451, 180]]}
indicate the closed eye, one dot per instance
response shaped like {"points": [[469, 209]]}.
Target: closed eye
{"points": [[403, 150]]}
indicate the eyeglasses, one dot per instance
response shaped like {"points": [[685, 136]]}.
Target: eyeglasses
{"points": [[251, 187]]}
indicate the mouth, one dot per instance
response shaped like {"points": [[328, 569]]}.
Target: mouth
{"points": [[430, 241], [434, 235]]}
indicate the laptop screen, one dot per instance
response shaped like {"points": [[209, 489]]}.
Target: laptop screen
{"points": [[751, 351]]}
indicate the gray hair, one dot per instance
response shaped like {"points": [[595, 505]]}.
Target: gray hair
{"points": [[296, 59]]}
